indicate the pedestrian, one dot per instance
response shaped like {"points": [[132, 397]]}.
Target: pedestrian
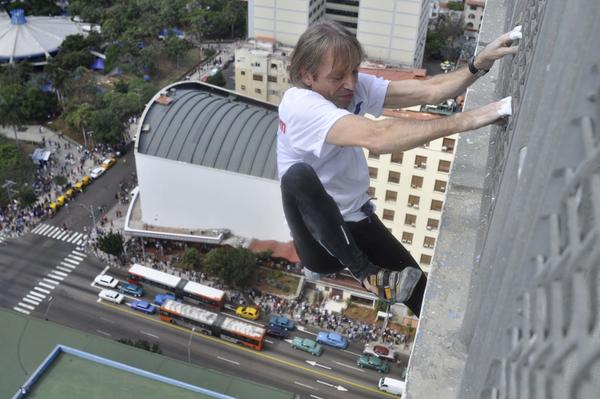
{"points": [[322, 168]]}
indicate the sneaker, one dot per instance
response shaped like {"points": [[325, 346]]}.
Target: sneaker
{"points": [[390, 285]]}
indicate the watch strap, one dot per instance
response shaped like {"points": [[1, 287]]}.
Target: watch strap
{"points": [[473, 69]]}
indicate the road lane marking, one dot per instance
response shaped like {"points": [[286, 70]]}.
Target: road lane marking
{"points": [[104, 333], [74, 252], [41, 290], [337, 387], [50, 281], [56, 233], [269, 342], [151, 335], [79, 258], [68, 265], [315, 396], [18, 309], [227, 360], [73, 237], [350, 367], [31, 301], [350, 352], [64, 269], [62, 236], [107, 320], [33, 298], [305, 385], [37, 294], [61, 273], [80, 242], [313, 363], [55, 277], [25, 306], [71, 261], [46, 285]]}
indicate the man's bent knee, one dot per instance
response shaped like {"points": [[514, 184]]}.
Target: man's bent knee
{"points": [[299, 175]]}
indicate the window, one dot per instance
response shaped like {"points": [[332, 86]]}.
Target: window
{"points": [[413, 201], [258, 91], [273, 66], [440, 186], [407, 237], [272, 79], [432, 224], [473, 8], [373, 173], [416, 182], [444, 166], [274, 93], [436, 205], [448, 145], [429, 242], [388, 214], [373, 156], [243, 73], [243, 87], [420, 162], [410, 220], [391, 196], [371, 192], [258, 77], [394, 177], [397, 157], [425, 260]]}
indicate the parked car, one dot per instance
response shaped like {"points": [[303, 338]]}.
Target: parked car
{"points": [[381, 350], [96, 172], [391, 385], [307, 345], [70, 193], [373, 362], [105, 280], [143, 306], [131, 289], [332, 339], [277, 331], [60, 201], [111, 296], [247, 312], [108, 163], [161, 298], [281, 321]]}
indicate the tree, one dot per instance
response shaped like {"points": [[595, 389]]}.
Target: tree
{"points": [[236, 267], [11, 107], [111, 243], [380, 305], [218, 79], [142, 344], [175, 47], [445, 39], [27, 197], [191, 259]]}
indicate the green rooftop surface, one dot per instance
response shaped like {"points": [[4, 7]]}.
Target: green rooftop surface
{"points": [[25, 343], [64, 380]]}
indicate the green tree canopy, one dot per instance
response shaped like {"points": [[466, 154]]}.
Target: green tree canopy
{"points": [[191, 259], [111, 243], [236, 267], [218, 79]]}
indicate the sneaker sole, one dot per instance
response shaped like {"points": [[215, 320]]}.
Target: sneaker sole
{"points": [[407, 281]]}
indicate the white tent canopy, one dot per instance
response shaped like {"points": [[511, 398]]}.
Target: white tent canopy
{"points": [[23, 38]]}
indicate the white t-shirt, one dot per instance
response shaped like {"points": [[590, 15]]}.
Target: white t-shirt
{"points": [[305, 118]]}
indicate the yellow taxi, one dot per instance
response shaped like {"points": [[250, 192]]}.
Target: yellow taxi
{"points": [[60, 201], [53, 206], [108, 163], [70, 193], [247, 312], [78, 186], [85, 180]]}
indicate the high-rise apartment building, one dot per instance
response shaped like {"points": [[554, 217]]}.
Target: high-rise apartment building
{"points": [[473, 15], [393, 31]]}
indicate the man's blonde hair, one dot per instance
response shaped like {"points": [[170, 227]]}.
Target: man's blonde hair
{"points": [[315, 42]]}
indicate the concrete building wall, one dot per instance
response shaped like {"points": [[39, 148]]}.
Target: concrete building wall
{"points": [[281, 20], [182, 195]]}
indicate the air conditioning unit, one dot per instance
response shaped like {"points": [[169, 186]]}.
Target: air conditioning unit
{"points": [[409, 242], [429, 227], [410, 205], [444, 148], [443, 188], [413, 225], [413, 185], [404, 241], [416, 206], [417, 166], [145, 128]]}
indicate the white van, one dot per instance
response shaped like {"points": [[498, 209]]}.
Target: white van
{"points": [[391, 385]]}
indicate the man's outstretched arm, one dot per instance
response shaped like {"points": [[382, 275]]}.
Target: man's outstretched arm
{"points": [[405, 93]]}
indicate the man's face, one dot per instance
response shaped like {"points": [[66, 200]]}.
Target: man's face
{"points": [[334, 82]]}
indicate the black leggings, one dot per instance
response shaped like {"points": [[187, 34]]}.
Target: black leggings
{"points": [[327, 244]]}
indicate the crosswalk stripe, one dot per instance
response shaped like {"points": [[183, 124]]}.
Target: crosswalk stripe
{"points": [[33, 298], [18, 309], [79, 258], [55, 276], [80, 242], [56, 233], [76, 237], [46, 285], [43, 229], [50, 281], [60, 273], [41, 290], [80, 249], [51, 230], [26, 306], [68, 265], [72, 237], [72, 261], [37, 294], [79, 253], [63, 236], [64, 269], [37, 228], [30, 301]]}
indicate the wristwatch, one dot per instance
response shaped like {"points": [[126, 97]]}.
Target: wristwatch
{"points": [[473, 69]]}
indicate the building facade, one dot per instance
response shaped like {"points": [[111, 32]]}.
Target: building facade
{"points": [[472, 16], [392, 31]]}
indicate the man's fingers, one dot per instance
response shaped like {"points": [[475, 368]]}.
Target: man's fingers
{"points": [[507, 50]]}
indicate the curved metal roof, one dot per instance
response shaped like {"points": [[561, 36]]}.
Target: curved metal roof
{"points": [[201, 124], [22, 38]]}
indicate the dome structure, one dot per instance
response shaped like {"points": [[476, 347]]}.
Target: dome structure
{"points": [[34, 38]]}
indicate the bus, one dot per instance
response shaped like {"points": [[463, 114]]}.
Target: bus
{"points": [[215, 324], [179, 286]]}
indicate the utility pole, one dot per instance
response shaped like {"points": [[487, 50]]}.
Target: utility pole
{"points": [[190, 345], [49, 301]]}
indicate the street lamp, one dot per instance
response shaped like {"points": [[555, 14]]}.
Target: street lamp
{"points": [[190, 345], [91, 209], [49, 301]]}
